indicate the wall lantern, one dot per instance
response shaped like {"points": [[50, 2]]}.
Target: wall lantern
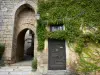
{"points": [[37, 16]]}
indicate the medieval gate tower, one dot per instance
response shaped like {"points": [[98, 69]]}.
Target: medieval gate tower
{"points": [[16, 17]]}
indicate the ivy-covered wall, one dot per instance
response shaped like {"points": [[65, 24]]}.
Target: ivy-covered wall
{"points": [[81, 19]]}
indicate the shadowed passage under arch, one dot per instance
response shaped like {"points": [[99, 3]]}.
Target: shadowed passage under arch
{"points": [[25, 45], [24, 22]]}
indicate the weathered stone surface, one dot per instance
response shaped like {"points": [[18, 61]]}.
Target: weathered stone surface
{"points": [[27, 70], [16, 70], [16, 73], [4, 73], [59, 72], [8, 12], [14, 19]]}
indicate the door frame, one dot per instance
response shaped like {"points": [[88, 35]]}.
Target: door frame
{"points": [[64, 51]]}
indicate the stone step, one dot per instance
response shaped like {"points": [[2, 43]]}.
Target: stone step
{"points": [[15, 68], [23, 63], [56, 72], [20, 67], [4, 73], [22, 70], [20, 73], [16, 73], [6, 70], [59, 72]]}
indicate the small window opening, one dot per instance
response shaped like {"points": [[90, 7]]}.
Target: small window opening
{"points": [[56, 28]]}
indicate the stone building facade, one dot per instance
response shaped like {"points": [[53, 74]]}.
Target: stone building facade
{"points": [[16, 17]]}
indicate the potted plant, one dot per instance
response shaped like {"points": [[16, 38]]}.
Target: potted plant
{"points": [[34, 64]]}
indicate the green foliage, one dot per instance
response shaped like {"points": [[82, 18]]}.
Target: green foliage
{"points": [[34, 64], [69, 13], [80, 46], [75, 15], [87, 66], [89, 55], [2, 48], [41, 35], [72, 31], [97, 36], [55, 35], [54, 9], [56, 22], [89, 59]]}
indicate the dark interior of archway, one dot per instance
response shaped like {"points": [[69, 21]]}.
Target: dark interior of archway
{"points": [[21, 52]]}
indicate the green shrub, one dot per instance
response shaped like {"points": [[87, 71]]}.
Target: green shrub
{"points": [[2, 48], [56, 35], [41, 35], [34, 64], [82, 25]]}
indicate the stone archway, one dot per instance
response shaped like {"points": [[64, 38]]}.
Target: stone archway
{"points": [[24, 20], [20, 51]]}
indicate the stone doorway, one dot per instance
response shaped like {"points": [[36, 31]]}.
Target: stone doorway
{"points": [[25, 47], [57, 54], [24, 21], [23, 52]]}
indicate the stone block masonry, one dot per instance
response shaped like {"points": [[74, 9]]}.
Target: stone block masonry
{"points": [[8, 10]]}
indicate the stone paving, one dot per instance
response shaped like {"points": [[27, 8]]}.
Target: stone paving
{"points": [[16, 70], [24, 68], [59, 72], [27, 70]]}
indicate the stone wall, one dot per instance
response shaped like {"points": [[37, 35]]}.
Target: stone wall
{"points": [[13, 20], [8, 11]]}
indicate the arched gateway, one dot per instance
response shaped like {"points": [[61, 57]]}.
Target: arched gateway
{"points": [[24, 20], [21, 52]]}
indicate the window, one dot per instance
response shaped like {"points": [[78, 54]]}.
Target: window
{"points": [[55, 28]]}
